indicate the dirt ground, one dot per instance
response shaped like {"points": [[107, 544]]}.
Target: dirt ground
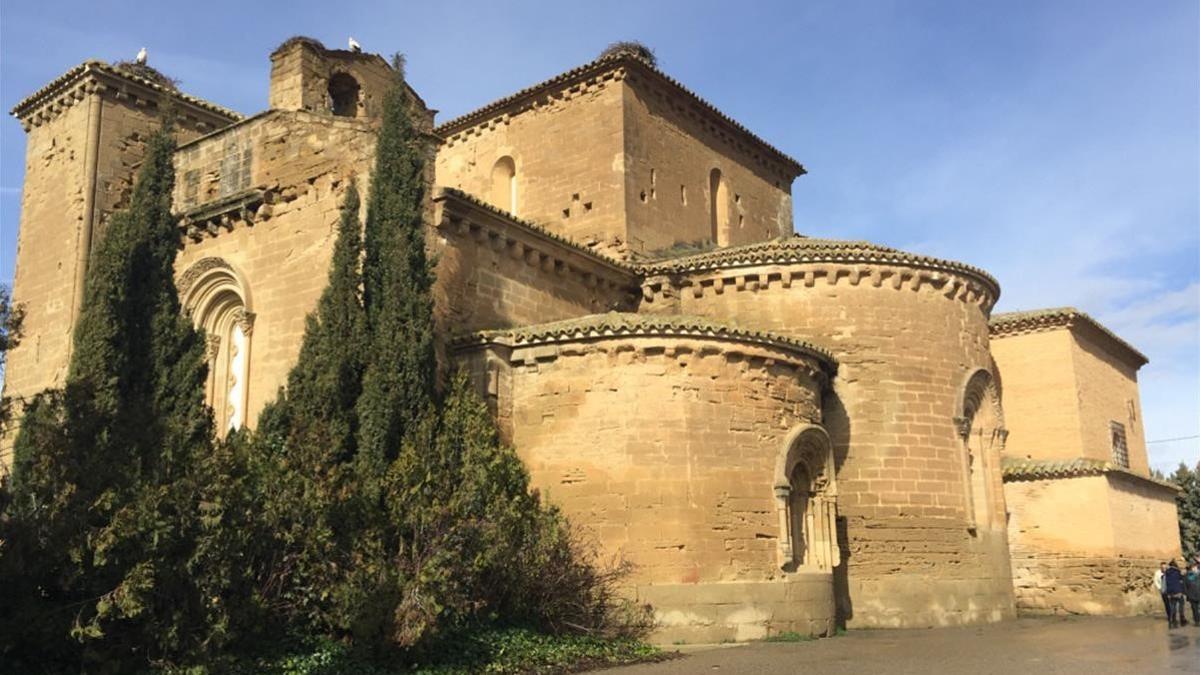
{"points": [[1044, 646]]}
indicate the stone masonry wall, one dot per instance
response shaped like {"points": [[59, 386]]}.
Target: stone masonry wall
{"points": [[302, 163], [664, 449], [47, 251], [291, 168], [568, 156], [52, 228], [301, 71], [495, 273], [906, 344], [669, 153]]}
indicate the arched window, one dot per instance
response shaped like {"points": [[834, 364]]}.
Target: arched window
{"points": [[214, 295], [806, 498], [800, 514], [343, 95], [981, 425], [504, 185], [718, 197]]}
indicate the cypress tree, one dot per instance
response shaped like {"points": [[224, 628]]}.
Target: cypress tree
{"points": [[466, 513], [324, 387], [11, 318], [102, 514], [307, 439], [398, 384], [1188, 505]]}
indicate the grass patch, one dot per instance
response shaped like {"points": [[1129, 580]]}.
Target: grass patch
{"points": [[788, 636]]}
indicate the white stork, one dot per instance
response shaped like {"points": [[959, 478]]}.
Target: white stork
{"points": [[354, 46], [141, 57]]}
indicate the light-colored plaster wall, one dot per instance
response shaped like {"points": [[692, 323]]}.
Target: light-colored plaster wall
{"points": [[1089, 544], [1061, 515], [1108, 393], [1144, 518], [1039, 391]]}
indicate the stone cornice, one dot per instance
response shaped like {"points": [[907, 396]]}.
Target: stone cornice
{"points": [[1018, 469], [97, 76], [621, 325], [464, 215], [833, 261], [221, 215], [1057, 318], [614, 67]]}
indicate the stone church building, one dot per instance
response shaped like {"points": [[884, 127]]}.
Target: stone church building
{"points": [[779, 431]]}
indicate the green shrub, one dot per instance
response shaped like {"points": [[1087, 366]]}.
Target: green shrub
{"points": [[103, 517], [477, 650]]}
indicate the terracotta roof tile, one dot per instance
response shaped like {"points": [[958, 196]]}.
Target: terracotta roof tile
{"points": [[1038, 320], [35, 98], [1018, 468], [798, 248], [615, 324]]}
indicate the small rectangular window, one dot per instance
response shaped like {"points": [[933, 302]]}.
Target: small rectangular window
{"points": [[1120, 450]]}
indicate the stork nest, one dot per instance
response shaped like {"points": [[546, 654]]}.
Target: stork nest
{"points": [[147, 73], [632, 48], [300, 40]]}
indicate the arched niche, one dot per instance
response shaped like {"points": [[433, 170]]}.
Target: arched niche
{"points": [[806, 501], [504, 185], [980, 422], [217, 299], [343, 95]]}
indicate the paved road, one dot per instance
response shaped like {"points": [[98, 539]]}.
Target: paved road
{"points": [[1052, 646]]}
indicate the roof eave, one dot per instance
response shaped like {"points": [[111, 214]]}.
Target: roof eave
{"points": [[24, 108], [1010, 324], [601, 65]]}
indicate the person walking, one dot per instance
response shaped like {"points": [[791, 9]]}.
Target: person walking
{"points": [[1159, 580], [1191, 591], [1173, 585]]}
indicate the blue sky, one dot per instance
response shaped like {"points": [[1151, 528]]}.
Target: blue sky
{"points": [[1055, 144]]}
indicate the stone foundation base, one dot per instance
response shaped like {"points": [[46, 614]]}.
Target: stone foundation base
{"points": [[912, 601], [1079, 584], [740, 611]]}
